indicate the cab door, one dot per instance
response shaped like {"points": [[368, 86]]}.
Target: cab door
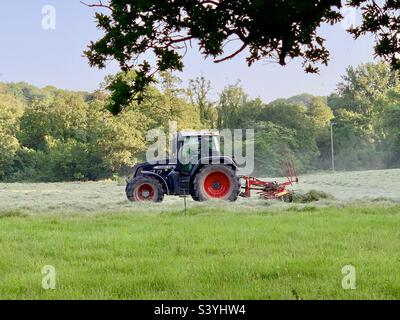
{"points": [[189, 153]]}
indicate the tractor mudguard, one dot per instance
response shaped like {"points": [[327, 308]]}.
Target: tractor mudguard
{"points": [[136, 169], [158, 177], [214, 160]]}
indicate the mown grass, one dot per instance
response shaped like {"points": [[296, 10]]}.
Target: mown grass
{"points": [[108, 196], [205, 254]]}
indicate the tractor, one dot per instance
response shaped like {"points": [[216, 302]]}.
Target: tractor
{"points": [[197, 168]]}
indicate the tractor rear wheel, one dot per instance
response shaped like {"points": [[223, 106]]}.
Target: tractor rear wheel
{"points": [[195, 197], [144, 189], [218, 182]]}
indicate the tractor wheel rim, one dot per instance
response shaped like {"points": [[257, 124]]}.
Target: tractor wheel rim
{"points": [[145, 192], [217, 185]]}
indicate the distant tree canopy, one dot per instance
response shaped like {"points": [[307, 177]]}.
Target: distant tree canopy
{"points": [[57, 135], [266, 29], [365, 100]]}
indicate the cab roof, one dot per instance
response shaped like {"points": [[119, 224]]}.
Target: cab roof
{"points": [[192, 133]]}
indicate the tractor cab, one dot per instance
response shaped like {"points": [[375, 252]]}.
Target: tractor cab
{"points": [[190, 147]]}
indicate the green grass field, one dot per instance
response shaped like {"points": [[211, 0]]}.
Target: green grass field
{"points": [[207, 253], [103, 247]]}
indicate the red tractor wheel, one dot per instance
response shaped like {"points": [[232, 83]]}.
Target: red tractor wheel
{"points": [[217, 182], [144, 189]]}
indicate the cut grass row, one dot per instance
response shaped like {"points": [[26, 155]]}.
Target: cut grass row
{"points": [[206, 254]]}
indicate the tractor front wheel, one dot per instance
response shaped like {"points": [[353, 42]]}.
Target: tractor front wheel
{"points": [[144, 189], [216, 182]]}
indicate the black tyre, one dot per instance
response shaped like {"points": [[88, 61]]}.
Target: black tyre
{"points": [[144, 189], [194, 197], [217, 182]]}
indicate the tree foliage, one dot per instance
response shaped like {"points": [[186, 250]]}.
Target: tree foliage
{"points": [[360, 106], [263, 29], [66, 136], [198, 93], [295, 117], [273, 144], [320, 113], [382, 20], [231, 104], [10, 111], [364, 85], [56, 135]]}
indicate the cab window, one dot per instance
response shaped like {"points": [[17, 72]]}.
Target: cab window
{"points": [[190, 153]]}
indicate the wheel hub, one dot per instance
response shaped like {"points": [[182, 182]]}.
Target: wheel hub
{"points": [[145, 192], [217, 185]]}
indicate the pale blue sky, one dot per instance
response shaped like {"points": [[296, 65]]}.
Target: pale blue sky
{"points": [[42, 57]]}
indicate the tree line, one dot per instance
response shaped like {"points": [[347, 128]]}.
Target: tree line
{"points": [[50, 134]]}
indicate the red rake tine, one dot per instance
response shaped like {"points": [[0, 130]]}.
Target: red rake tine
{"points": [[290, 177], [295, 171]]}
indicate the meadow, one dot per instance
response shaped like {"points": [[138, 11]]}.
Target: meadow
{"points": [[103, 247], [358, 188]]}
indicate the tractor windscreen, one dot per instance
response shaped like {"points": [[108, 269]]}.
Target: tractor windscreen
{"points": [[210, 146], [215, 145]]}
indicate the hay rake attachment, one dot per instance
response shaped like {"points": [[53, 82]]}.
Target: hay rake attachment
{"points": [[271, 190]]}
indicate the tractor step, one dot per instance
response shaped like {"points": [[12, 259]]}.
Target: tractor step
{"points": [[184, 185]]}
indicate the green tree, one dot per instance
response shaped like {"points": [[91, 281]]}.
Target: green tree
{"points": [[389, 127], [391, 118], [334, 101], [364, 85], [231, 100], [27, 93], [273, 144], [66, 138], [267, 29], [249, 113], [359, 105], [304, 99], [380, 19], [198, 92], [294, 117], [356, 147], [168, 102], [116, 142], [10, 111], [320, 113], [62, 117]]}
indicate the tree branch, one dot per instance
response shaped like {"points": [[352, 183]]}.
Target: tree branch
{"points": [[98, 5], [232, 55]]}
